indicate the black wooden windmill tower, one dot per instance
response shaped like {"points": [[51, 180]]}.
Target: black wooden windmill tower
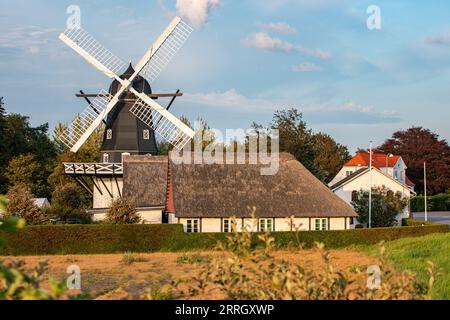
{"points": [[129, 111]]}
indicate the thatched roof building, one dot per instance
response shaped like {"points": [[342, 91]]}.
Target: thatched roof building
{"points": [[226, 190]]}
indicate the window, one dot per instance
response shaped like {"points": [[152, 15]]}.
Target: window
{"points": [[109, 134], [321, 224], [354, 196], [193, 226], [265, 225], [228, 226], [146, 134], [349, 173], [105, 158], [352, 221]]}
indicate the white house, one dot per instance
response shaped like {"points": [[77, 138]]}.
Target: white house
{"points": [[387, 171]]}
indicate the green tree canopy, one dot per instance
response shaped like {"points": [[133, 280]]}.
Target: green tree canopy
{"points": [[386, 205], [27, 170], [18, 137], [417, 145], [296, 138], [330, 157]]}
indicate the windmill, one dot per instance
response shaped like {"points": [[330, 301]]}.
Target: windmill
{"points": [[145, 108], [129, 110]]}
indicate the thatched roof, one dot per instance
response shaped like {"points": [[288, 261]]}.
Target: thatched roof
{"points": [[145, 180], [230, 190]]}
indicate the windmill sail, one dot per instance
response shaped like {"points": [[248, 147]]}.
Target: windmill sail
{"points": [[163, 123], [164, 49], [72, 135], [92, 51]]}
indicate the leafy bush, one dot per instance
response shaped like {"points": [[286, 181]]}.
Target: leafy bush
{"points": [[3, 204], [108, 238], [440, 202], [386, 205], [16, 284], [192, 259], [244, 272], [129, 258], [21, 205], [415, 223], [123, 211], [69, 204]]}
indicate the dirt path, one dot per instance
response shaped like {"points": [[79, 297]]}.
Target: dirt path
{"points": [[117, 276]]}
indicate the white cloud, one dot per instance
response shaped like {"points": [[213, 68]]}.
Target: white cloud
{"points": [[278, 27], [349, 112], [196, 11], [28, 38], [306, 67], [443, 40], [263, 41], [230, 99]]}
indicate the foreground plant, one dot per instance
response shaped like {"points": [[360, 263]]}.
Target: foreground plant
{"points": [[242, 272], [17, 284]]}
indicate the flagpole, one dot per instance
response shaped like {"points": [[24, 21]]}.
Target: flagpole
{"points": [[425, 189], [370, 186]]}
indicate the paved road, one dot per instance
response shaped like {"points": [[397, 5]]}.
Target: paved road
{"points": [[441, 217]]}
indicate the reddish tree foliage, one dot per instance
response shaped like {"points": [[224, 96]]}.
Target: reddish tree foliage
{"points": [[418, 145]]}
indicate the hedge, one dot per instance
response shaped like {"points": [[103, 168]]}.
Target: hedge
{"points": [[440, 202], [106, 239]]}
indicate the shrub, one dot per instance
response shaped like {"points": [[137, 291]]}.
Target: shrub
{"points": [[130, 258], [386, 205], [192, 259], [244, 272], [109, 238], [16, 284], [21, 205], [440, 202], [123, 211]]}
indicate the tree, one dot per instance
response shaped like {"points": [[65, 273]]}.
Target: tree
{"points": [[123, 211], [416, 146], [296, 138], [19, 138], [88, 153], [25, 169], [69, 203], [330, 157], [386, 206], [21, 205]]}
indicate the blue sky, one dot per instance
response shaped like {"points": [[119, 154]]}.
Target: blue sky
{"points": [[247, 59]]}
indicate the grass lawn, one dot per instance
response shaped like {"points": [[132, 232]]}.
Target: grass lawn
{"points": [[413, 253]]}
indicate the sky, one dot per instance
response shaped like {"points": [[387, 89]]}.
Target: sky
{"points": [[245, 60]]}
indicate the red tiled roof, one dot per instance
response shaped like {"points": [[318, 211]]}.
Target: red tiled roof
{"points": [[362, 159], [409, 182]]}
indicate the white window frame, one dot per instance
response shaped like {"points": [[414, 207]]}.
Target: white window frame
{"points": [[109, 134], [228, 226], [193, 226], [321, 224], [146, 134], [106, 158], [266, 225]]}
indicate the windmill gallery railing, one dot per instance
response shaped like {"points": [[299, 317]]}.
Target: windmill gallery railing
{"points": [[93, 169]]}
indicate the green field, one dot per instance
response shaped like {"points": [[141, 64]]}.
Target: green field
{"points": [[413, 253]]}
